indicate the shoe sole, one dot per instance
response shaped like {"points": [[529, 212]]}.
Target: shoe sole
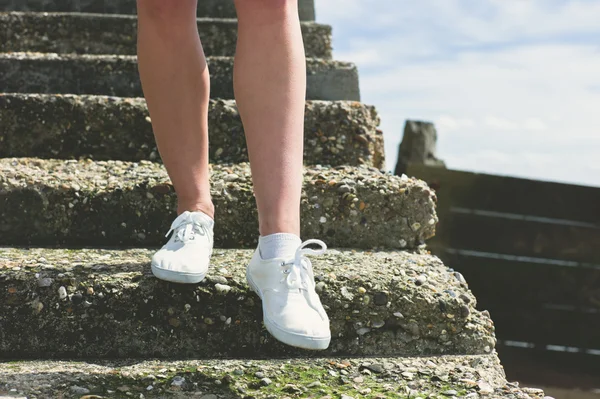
{"points": [[177, 277], [298, 341]]}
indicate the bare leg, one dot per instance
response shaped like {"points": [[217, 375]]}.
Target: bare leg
{"points": [[176, 85], [270, 87]]}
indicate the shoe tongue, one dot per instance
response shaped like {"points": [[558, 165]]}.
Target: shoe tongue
{"points": [[202, 218], [197, 217], [180, 219]]}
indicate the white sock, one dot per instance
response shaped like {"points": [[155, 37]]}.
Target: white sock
{"points": [[279, 245]]}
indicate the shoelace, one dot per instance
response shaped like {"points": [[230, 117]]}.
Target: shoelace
{"points": [[296, 271], [188, 232]]}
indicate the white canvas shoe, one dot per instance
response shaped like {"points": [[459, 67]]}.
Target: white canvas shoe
{"points": [[185, 257], [292, 310]]}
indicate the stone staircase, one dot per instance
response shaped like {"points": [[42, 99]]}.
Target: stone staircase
{"points": [[85, 201]]}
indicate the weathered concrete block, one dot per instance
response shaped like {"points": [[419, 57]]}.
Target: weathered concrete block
{"points": [[206, 8], [381, 377], [103, 128], [110, 305], [117, 34], [418, 146], [47, 202], [118, 76]]}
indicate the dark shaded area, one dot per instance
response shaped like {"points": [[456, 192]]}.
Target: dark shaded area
{"points": [[549, 368], [529, 250]]}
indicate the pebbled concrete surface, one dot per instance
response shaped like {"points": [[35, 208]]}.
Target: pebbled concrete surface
{"points": [[84, 33], [118, 76], [110, 305], [469, 377], [103, 128], [86, 202], [206, 8]]}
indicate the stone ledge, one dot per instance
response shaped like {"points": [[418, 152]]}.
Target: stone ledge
{"points": [[117, 34], [117, 75], [98, 203], [206, 8], [469, 377], [110, 305], [103, 128]]}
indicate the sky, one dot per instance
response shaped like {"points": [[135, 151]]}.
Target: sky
{"points": [[513, 86]]}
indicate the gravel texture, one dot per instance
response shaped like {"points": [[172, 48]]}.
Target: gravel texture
{"points": [[206, 8], [470, 377], [103, 128], [106, 303], [118, 76], [117, 34], [122, 203]]}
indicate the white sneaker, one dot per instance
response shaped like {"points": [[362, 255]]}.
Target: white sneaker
{"points": [[185, 257], [292, 310]]}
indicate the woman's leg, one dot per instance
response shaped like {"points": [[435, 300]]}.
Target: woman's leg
{"points": [[270, 88], [176, 85]]}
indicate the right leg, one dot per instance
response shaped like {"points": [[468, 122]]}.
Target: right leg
{"points": [[176, 85]]}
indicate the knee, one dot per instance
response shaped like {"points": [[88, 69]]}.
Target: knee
{"points": [[265, 9], [167, 12]]}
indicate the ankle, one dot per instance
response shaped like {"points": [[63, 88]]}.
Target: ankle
{"points": [[279, 245], [205, 207], [279, 225]]}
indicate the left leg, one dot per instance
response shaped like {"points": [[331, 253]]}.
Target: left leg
{"points": [[176, 85]]}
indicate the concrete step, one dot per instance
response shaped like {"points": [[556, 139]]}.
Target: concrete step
{"points": [[117, 34], [118, 76], [326, 378], [47, 202], [103, 128], [206, 8], [111, 306]]}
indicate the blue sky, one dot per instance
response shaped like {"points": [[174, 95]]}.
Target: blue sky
{"points": [[513, 86]]}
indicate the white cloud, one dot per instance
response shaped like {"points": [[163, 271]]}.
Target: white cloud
{"points": [[534, 124], [499, 123], [449, 123], [464, 21], [507, 82]]}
